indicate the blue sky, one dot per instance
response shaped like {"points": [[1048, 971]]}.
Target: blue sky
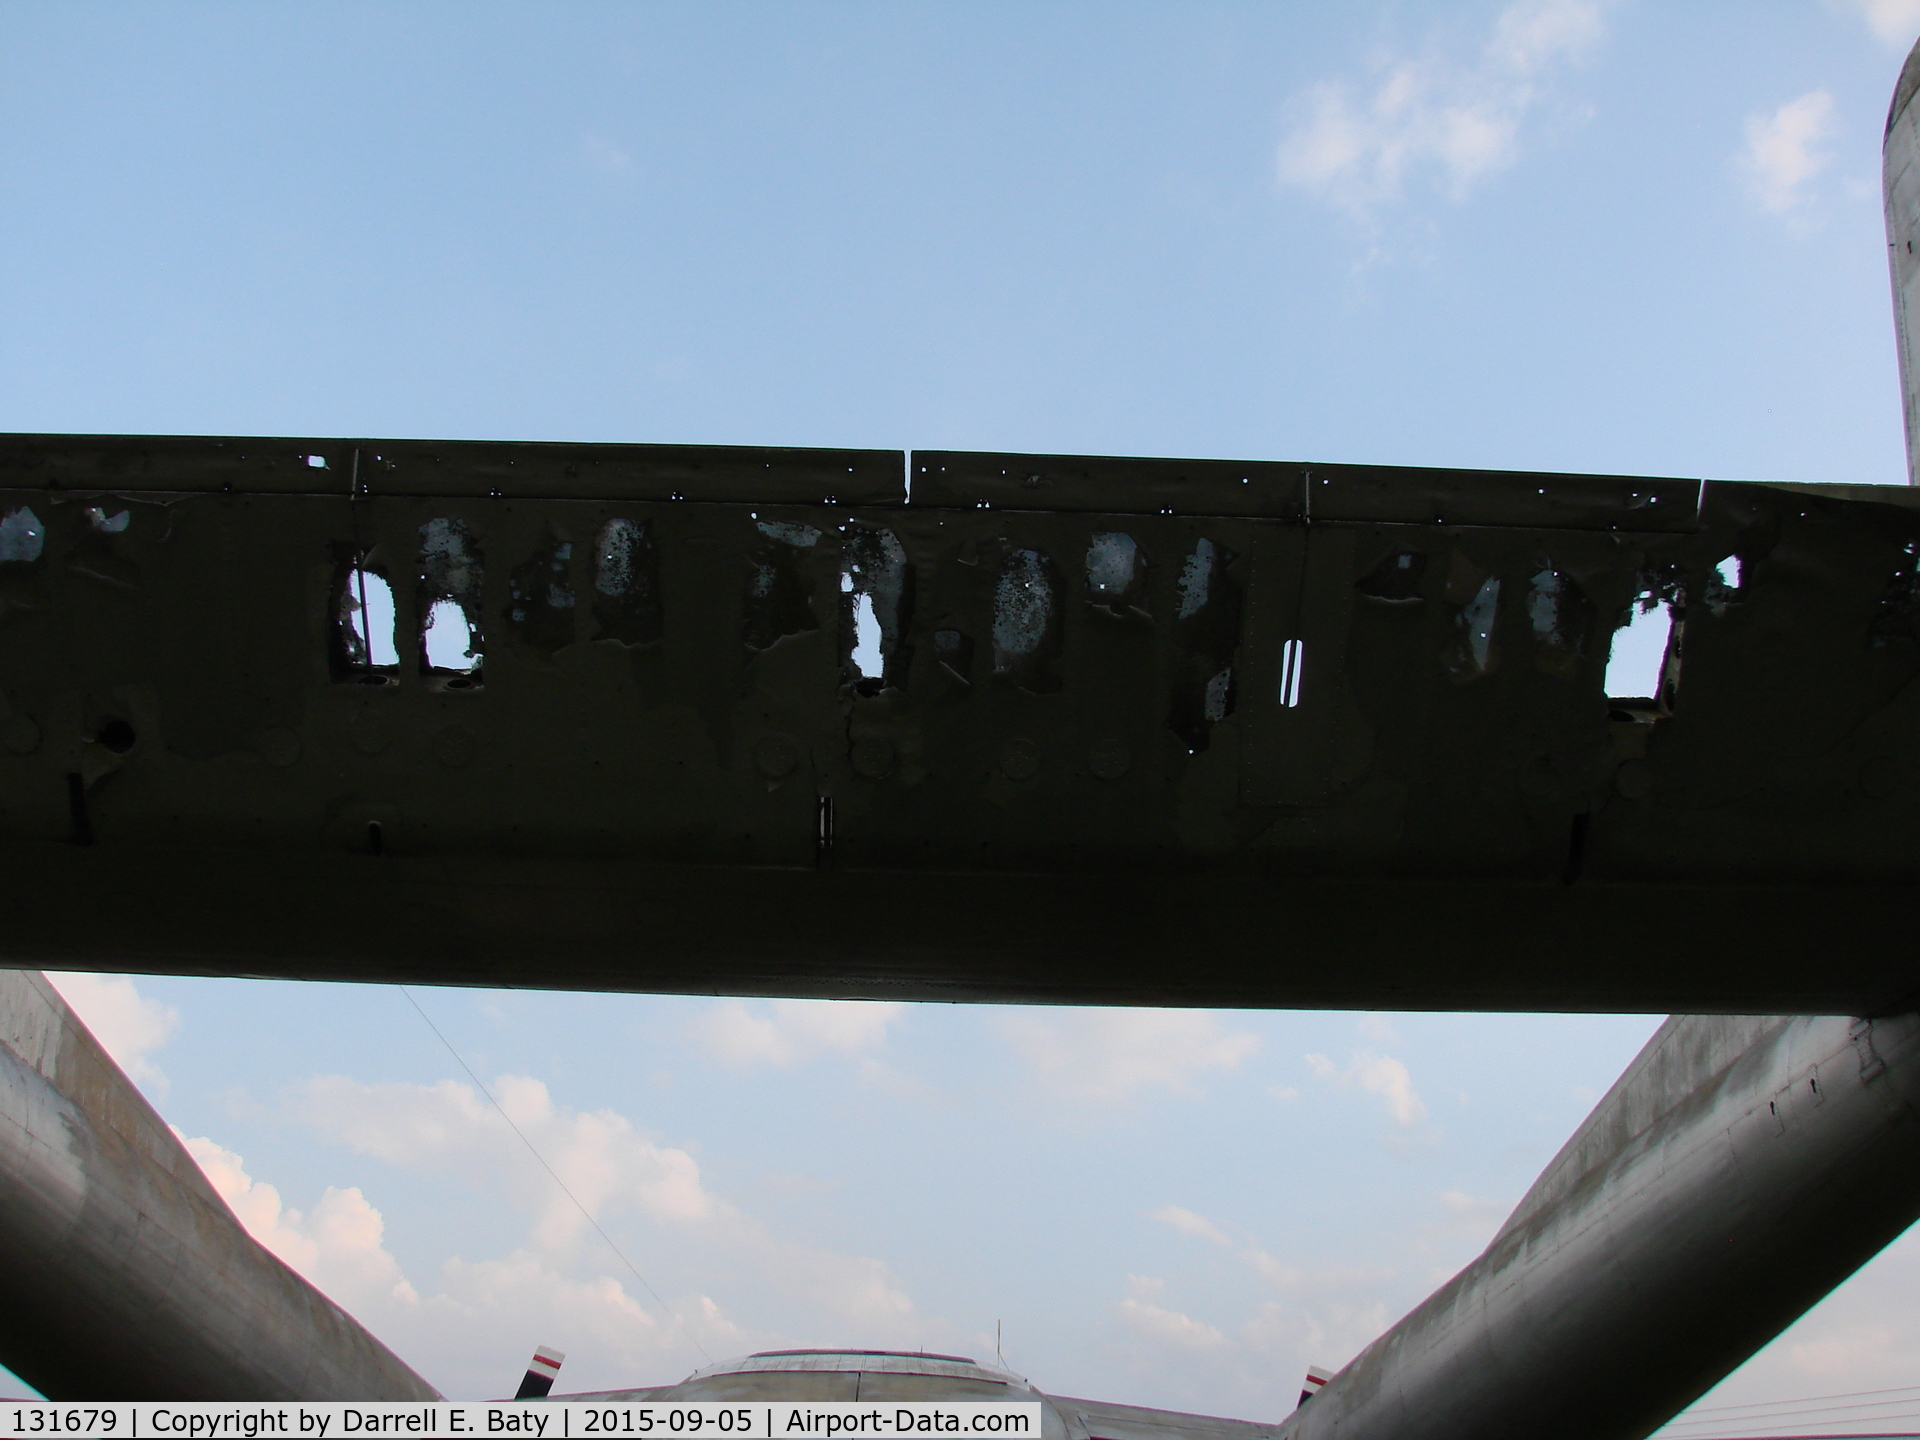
{"points": [[1546, 234]]}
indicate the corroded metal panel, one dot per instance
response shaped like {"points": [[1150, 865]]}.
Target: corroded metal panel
{"points": [[762, 730]]}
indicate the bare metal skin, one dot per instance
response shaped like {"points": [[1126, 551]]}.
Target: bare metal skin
{"points": [[123, 1276], [1739, 1170], [1900, 187]]}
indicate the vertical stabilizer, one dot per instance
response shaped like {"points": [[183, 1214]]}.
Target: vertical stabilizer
{"points": [[542, 1371]]}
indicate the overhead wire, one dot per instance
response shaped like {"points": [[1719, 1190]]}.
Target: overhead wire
{"points": [[1865, 1414], [534, 1151], [1913, 1390]]}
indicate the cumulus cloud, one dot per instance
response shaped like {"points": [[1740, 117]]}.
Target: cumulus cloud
{"points": [[1189, 1223], [1449, 121], [479, 1314], [598, 1154], [1111, 1055], [1380, 1075], [1895, 22], [1160, 1325], [129, 1026], [612, 1169], [340, 1246], [786, 1032], [1784, 153], [1330, 1334]]}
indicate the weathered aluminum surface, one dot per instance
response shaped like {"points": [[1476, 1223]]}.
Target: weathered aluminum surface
{"points": [[123, 1276], [853, 1375], [1900, 190], [1739, 1170]]}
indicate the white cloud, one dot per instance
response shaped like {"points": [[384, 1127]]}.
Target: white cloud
{"points": [[1110, 1055], [128, 1025], [1189, 1223], [601, 1158], [340, 1247], [1160, 1325], [1380, 1075], [1783, 153], [1331, 1334], [786, 1032], [610, 1167], [1895, 22], [472, 1321], [1433, 116], [468, 1334], [1377, 1029]]}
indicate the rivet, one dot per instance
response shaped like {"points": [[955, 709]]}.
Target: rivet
{"points": [[776, 756], [371, 733], [279, 747], [1109, 759], [873, 757], [454, 746], [1019, 760], [19, 734]]}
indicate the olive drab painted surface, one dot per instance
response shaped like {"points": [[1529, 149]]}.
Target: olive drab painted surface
{"points": [[769, 722]]}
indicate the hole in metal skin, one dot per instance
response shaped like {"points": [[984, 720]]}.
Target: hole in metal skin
{"points": [[376, 838], [446, 640], [364, 644], [1206, 637], [876, 590], [1477, 621], [447, 595], [779, 600], [540, 600], [1396, 579], [1899, 601], [1643, 658], [865, 659], [1561, 618], [1543, 604], [1116, 574], [626, 583], [114, 524], [117, 736], [22, 537], [100, 551], [1026, 632], [1196, 578]]}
